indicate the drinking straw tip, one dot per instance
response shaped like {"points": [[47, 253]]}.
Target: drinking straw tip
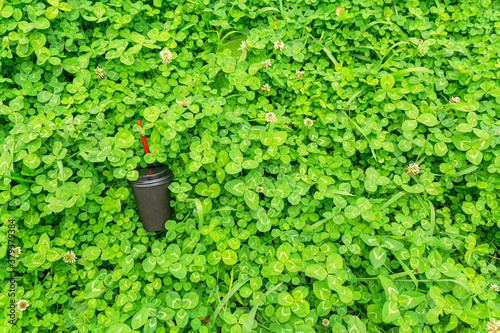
{"points": [[144, 143]]}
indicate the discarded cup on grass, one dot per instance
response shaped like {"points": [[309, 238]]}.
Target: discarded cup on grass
{"points": [[152, 196]]}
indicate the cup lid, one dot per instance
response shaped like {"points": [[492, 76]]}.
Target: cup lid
{"points": [[153, 174]]}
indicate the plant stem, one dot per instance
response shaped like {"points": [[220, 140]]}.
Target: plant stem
{"points": [[18, 179]]}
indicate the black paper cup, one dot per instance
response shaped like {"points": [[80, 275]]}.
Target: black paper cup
{"points": [[152, 196]]}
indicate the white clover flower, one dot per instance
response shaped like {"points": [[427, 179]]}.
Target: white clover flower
{"points": [[100, 72], [299, 73], [325, 322], [454, 100], [495, 287], [266, 88], [279, 45], [15, 252], [259, 189], [244, 45], [22, 304], [413, 169], [271, 117], [308, 122], [69, 257], [266, 63], [166, 56], [493, 326], [1, 103]]}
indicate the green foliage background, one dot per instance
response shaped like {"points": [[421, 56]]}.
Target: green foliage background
{"points": [[342, 239]]}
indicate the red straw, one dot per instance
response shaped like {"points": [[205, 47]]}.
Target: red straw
{"points": [[146, 150]]}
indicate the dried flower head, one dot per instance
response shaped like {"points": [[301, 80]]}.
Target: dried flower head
{"points": [[266, 63], [69, 257], [166, 56], [22, 304], [266, 88], [100, 72], [420, 40], [279, 45], [308, 122], [338, 10], [299, 73], [495, 287], [15, 252], [181, 103], [245, 45], [271, 117], [413, 169], [493, 326], [325, 322], [259, 189]]}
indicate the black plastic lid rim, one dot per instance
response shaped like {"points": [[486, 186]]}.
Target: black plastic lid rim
{"points": [[152, 180], [155, 182]]}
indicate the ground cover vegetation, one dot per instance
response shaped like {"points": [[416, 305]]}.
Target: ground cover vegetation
{"points": [[337, 165]]}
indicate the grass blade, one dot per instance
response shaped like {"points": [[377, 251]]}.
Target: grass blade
{"points": [[367, 139], [78, 166], [227, 297], [361, 57], [378, 22], [354, 96], [315, 225], [442, 280], [395, 45], [330, 55], [360, 47], [407, 270], [271, 239], [213, 289], [424, 206], [61, 170], [421, 151], [389, 50], [454, 235], [247, 325], [409, 70], [199, 208], [464, 172], [393, 200], [341, 193], [266, 9], [17, 179], [187, 27], [229, 34], [433, 216]]}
